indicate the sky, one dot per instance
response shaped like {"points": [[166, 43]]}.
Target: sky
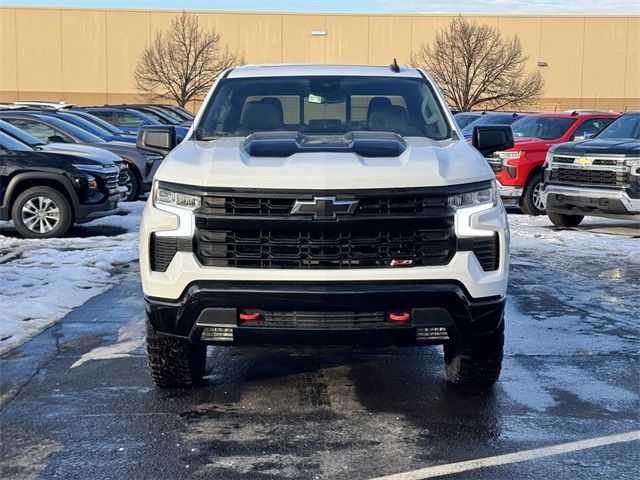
{"points": [[546, 7]]}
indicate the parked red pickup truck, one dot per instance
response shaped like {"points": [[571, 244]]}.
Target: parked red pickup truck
{"points": [[518, 170]]}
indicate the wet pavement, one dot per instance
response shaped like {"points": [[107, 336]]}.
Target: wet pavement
{"points": [[77, 402]]}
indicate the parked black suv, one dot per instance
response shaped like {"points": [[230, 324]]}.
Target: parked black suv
{"points": [[599, 177], [44, 193]]}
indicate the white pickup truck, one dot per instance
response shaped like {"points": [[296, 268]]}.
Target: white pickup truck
{"points": [[331, 204]]}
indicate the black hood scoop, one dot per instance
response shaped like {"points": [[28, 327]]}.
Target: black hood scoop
{"points": [[285, 144]]}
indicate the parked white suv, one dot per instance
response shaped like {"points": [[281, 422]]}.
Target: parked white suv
{"points": [[319, 203]]}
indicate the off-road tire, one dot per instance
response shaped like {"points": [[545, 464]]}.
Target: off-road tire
{"points": [[475, 364], [528, 201], [65, 214], [134, 192], [173, 362], [563, 220]]}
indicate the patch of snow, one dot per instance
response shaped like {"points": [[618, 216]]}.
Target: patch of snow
{"points": [[130, 338], [50, 277]]}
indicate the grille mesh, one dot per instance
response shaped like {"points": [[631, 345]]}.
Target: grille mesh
{"points": [[324, 249], [589, 177]]}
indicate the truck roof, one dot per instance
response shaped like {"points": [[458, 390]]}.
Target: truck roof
{"points": [[320, 70]]}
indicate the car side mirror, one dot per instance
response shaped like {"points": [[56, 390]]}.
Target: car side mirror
{"points": [[492, 138], [157, 138], [56, 139]]}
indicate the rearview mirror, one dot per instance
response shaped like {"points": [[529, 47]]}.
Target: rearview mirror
{"points": [[492, 138], [157, 138]]}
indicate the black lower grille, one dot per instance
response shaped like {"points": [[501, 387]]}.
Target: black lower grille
{"points": [[589, 177], [163, 249], [345, 248], [487, 251], [324, 320]]}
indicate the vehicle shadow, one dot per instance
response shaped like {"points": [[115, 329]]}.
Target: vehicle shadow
{"points": [[623, 227]]}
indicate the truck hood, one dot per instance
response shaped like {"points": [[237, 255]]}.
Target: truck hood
{"points": [[613, 146], [225, 163], [531, 143], [83, 151]]}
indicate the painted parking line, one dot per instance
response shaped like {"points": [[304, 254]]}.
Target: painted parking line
{"points": [[451, 468]]}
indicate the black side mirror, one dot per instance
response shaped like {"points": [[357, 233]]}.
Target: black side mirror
{"points": [[157, 138], [492, 138], [56, 139]]}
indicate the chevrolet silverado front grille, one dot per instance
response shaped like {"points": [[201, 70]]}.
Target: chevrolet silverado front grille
{"points": [[387, 229], [346, 248], [279, 206], [585, 176]]}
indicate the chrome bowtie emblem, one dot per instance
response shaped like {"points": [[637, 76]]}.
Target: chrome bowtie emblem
{"points": [[324, 207]]}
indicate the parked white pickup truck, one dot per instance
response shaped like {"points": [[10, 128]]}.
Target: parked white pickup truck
{"points": [[320, 203]]}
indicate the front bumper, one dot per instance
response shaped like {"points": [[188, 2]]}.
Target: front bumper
{"points": [[87, 212], [590, 201], [434, 306], [510, 195]]}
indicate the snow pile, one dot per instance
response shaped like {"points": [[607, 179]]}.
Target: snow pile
{"points": [[45, 279]]}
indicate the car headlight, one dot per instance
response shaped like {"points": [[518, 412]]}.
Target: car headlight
{"points": [[172, 198], [486, 196], [547, 160], [632, 162], [510, 155], [90, 167], [634, 166]]}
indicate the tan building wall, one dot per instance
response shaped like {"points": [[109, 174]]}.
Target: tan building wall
{"points": [[88, 56]]}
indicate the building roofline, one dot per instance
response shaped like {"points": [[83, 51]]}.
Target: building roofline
{"points": [[332, 14]]}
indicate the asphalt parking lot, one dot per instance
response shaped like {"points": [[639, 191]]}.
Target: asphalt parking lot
{"points": [[76, 401]]}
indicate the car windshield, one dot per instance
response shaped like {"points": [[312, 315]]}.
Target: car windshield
{"points": [[9, 143], [627, 126], [325, 106], [98, 121], [84, 124], [19, 135], [73, 131], [545, 128], [158, 117], [507, 119], [464, 119]]}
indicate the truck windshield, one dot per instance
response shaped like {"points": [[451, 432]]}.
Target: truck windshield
{"points": [[324, 106], [627, 126], [545, 128]]}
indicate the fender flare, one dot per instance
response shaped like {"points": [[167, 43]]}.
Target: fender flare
{"points": [[56, 177]]}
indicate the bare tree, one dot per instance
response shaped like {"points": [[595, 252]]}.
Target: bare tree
{"points": [[476, 66], [182, 63]]}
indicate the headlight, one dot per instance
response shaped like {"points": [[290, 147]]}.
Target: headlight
{"points": [[632, 162], [511, 155], [486, 196], [90, 167], [547, 160], [165, 196]]}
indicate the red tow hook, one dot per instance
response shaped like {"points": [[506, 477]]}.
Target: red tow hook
{"points": [[400, 316], [249, 316]]}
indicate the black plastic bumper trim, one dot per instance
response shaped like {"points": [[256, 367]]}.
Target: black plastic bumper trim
{"points": [[444, 304]]}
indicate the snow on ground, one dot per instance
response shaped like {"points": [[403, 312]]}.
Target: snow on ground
{"points": [[45, 279]]}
